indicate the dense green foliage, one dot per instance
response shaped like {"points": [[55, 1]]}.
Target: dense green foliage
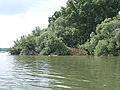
{"points": [[75, 22], [106, 41], [73, 25], [39, 42]]}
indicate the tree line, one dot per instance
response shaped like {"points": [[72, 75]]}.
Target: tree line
{"points": [[91, 25]]}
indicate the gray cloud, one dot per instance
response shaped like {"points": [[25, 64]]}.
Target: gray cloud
{"points": [[10, 7]]}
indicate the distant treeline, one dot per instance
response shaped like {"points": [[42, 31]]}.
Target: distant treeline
{"points": [[90, 25], [3, 49]]}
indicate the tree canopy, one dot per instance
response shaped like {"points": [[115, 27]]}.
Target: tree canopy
{"points": [[106, 41], [79, 23]]}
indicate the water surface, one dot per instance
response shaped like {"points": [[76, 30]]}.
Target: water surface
{"points": [[59, 73]]}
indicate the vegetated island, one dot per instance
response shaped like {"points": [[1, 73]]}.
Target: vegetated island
{"points": [[83, 27]]}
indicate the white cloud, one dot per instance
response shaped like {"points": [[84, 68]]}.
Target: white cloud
{"points": [[14, 26]]}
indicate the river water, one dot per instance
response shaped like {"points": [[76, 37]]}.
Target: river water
{"points": [[59, 73]]}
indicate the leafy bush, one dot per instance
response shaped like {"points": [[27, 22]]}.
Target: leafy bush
{"points": [[101, 48], [55, 46], [106, 41]]}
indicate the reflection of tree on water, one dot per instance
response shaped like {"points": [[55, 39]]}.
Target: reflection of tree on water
{"points": [[88, 73], [106, 73], [31, 69], [35, 71], [75, 73], [75, 70]]}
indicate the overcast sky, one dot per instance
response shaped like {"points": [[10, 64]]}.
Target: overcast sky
{"points": [[20, 17]]}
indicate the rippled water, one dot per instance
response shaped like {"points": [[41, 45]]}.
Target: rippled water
{"points": [[59, 73]]}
